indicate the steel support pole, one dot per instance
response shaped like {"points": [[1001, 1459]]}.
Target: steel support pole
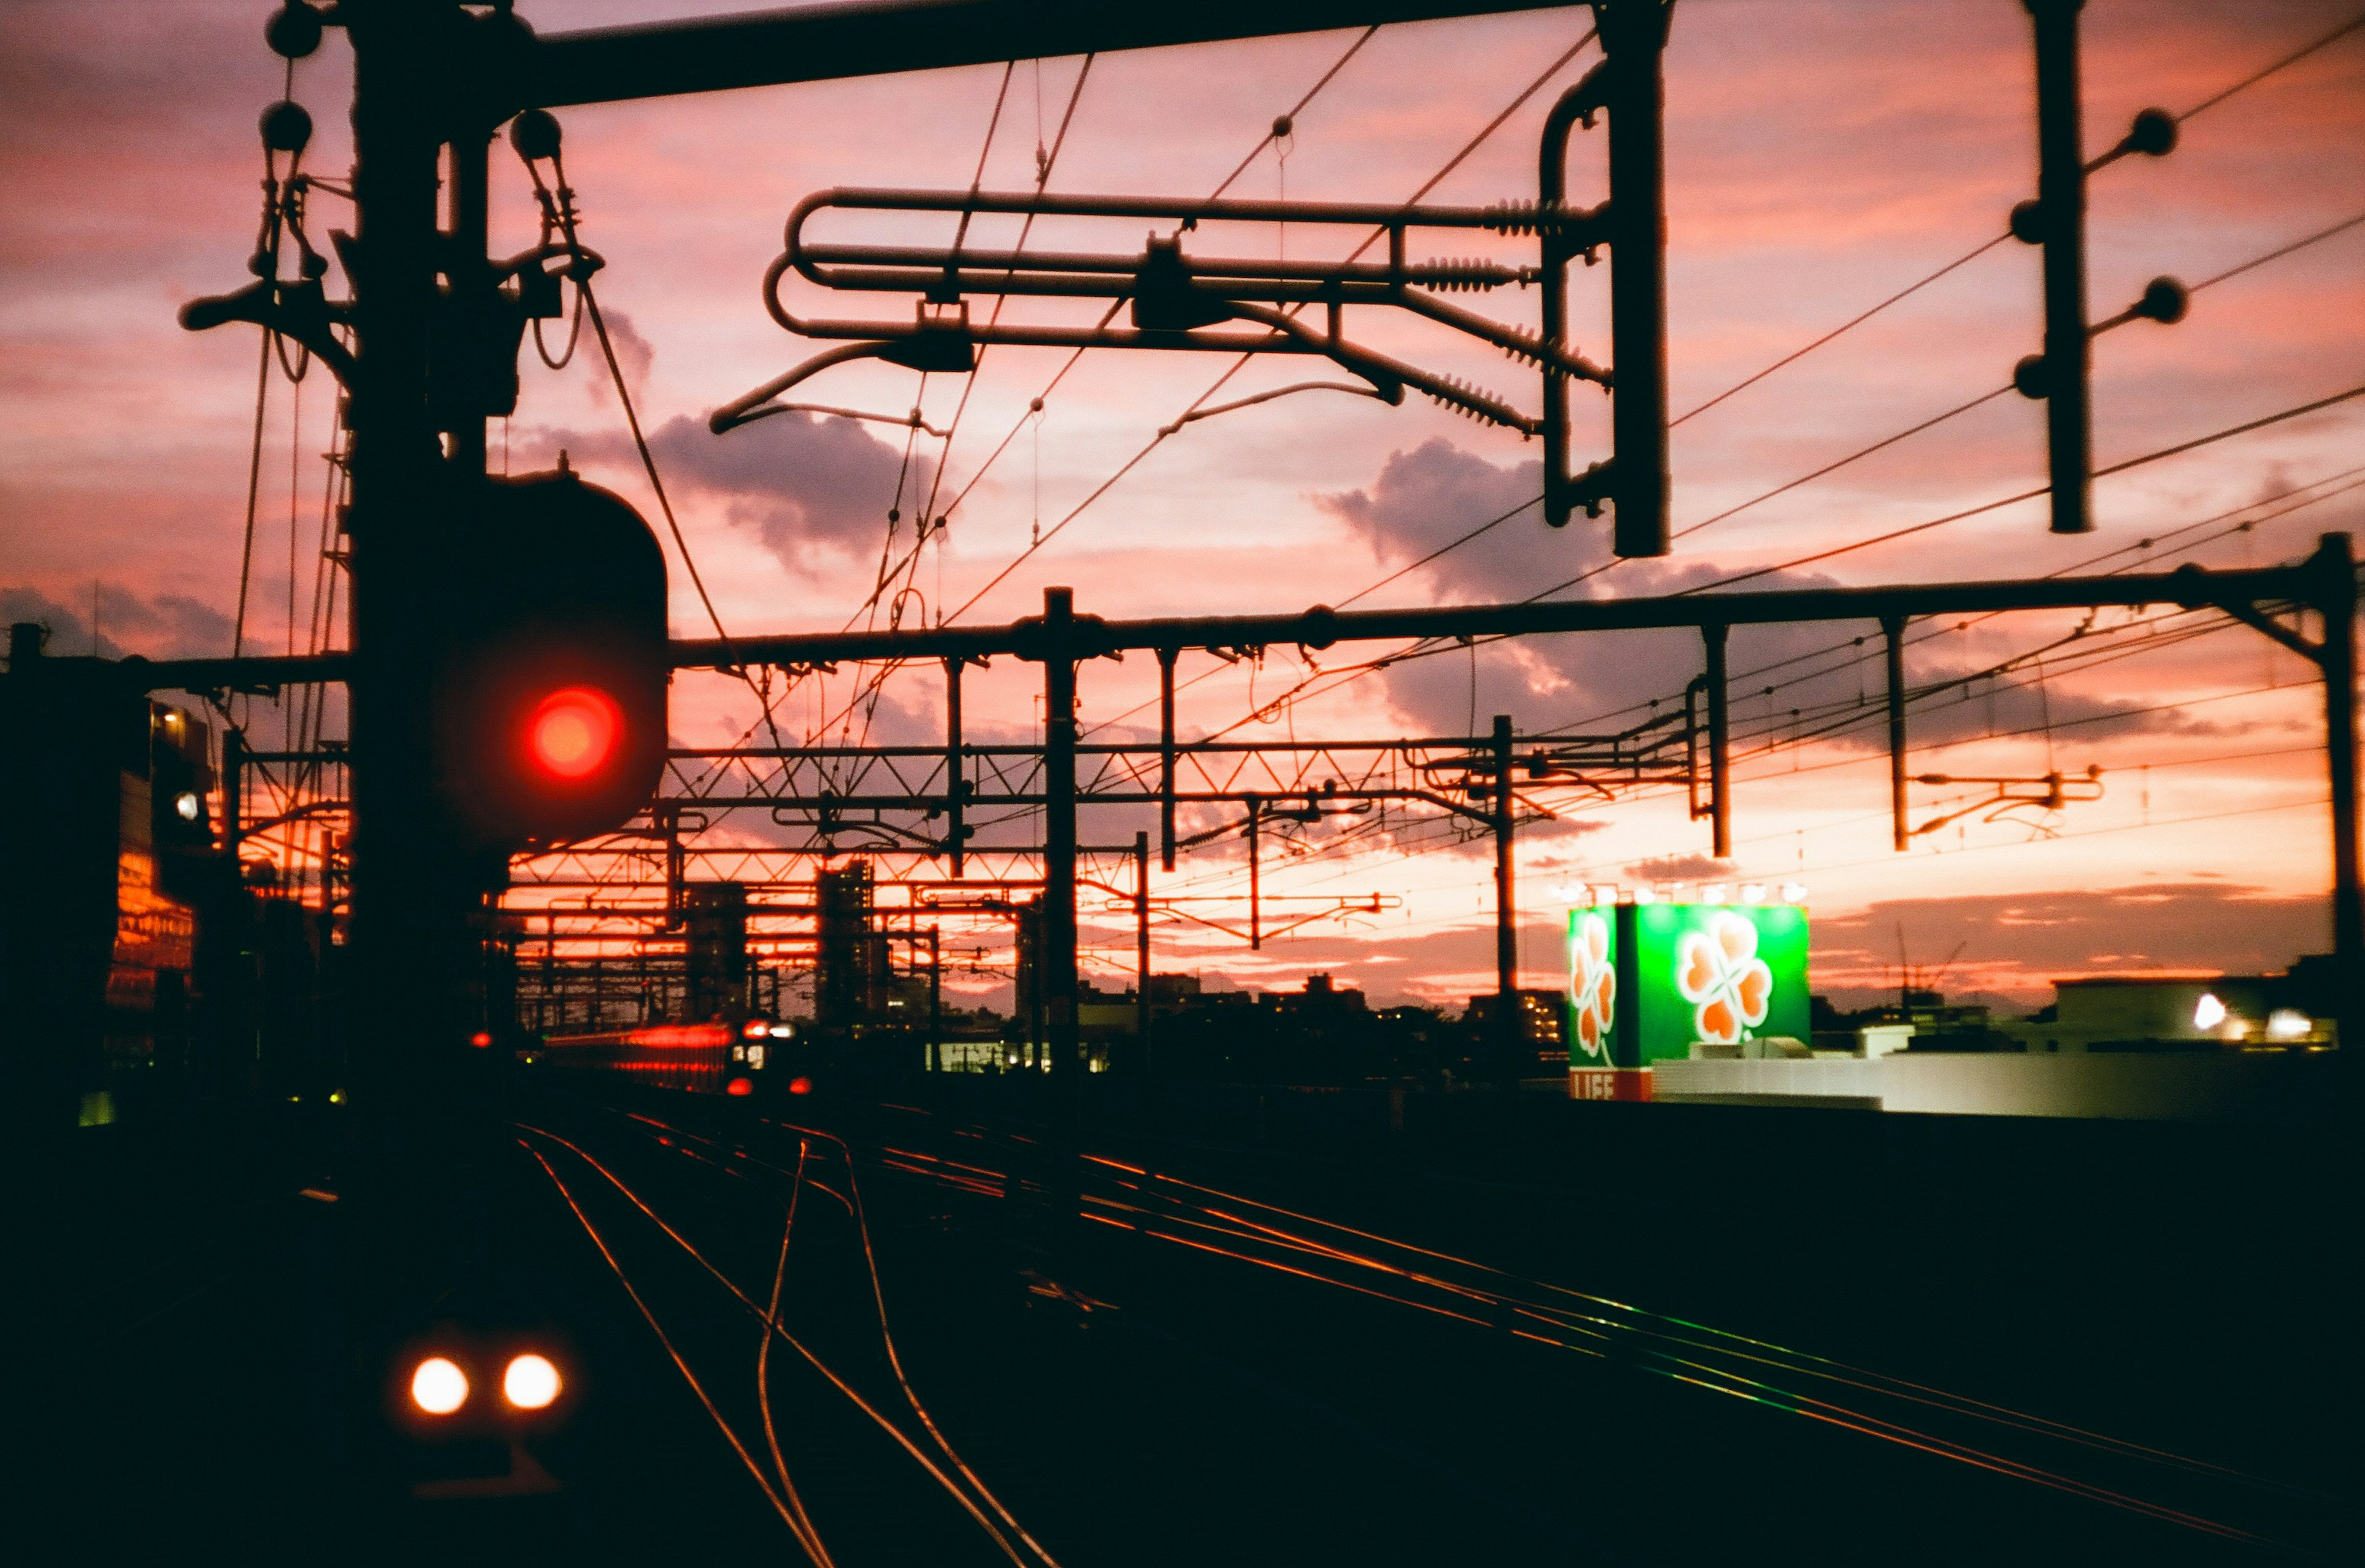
{"points": [[1141, 947], [935, 1056], [1552, 189], [1166, 657], [1719, 740], [1892, 628], [414, 889], [1057, 963], [1633, 40], [2061, 204], [2337, 659], [956, 832], [233, 787], [1509, 1030], [471, 272], [1256, 932]]}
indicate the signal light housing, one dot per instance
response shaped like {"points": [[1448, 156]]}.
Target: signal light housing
{"points": [[551, 700]]}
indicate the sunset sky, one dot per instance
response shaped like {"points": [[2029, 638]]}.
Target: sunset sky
{"points": [[1822, 154]]}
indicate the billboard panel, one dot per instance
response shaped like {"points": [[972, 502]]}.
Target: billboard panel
{"points": [[1648, 979]]}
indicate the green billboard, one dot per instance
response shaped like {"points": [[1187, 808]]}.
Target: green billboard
{"points": [[1646, 980]]}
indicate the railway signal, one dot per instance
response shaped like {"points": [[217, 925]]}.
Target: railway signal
{"points": [[552, 690]]}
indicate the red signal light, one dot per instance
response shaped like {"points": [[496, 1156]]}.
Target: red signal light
{"points": [[480, 1039], [573, 731]]}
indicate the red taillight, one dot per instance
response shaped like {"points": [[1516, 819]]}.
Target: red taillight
{"points": [[740, 1086], [800, 1085], [755, 1029], [573, 731]]}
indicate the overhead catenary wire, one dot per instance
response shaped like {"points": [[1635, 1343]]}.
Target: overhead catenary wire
{"points": [[2121, 467], [1431, 183], [1347, 676], [1428, 829], [1041, 537], [2334, 36]]}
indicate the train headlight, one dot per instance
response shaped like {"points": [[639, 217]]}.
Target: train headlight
{"points": [[437, 1387], [531, 1382]]}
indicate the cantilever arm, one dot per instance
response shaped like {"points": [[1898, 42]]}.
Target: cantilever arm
{"points": [[749, 407], [292, 310]]}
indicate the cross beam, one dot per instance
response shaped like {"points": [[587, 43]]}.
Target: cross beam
{"points": [[868, 38]]}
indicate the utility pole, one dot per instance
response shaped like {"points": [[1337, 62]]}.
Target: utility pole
{"points": [[935, 1056], [414, 890], [1713, 634], [2060, 228], [1256, 930], [1633, 45], [956, 832], [2337, 661], [1057, 963], [1510, 1032], [1141, 946], [1892, 629], [1166, 657]]}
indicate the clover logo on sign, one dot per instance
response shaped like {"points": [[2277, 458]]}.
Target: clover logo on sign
{"points": [[1592, 982], [1719, 970]]}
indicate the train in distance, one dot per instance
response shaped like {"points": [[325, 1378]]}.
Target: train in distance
{"points": [[744, 1059]]}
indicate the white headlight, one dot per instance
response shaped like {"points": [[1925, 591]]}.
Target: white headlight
{"points": [[437, 1387], [531, 1382]]}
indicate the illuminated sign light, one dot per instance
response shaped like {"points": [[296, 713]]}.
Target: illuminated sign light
{"points": [[1648, 979]]}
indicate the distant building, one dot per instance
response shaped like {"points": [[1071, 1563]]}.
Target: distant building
{"points": [[1544, 1026], [2111, 1012]]}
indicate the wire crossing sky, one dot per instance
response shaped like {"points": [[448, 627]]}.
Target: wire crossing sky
{"points": [[1841, 319]]}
